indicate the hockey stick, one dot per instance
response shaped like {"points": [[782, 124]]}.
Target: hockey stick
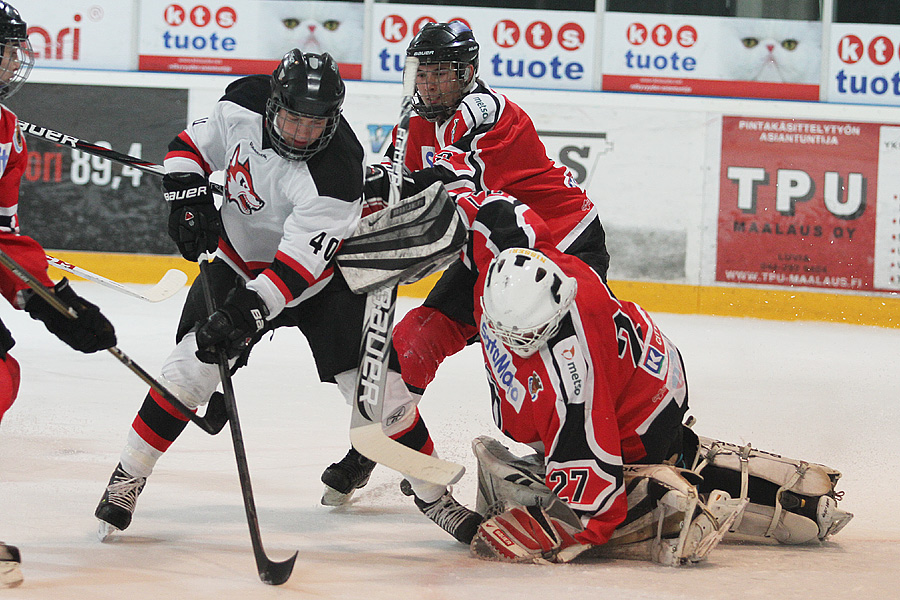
{"points": [[39, 289], [73, 142], [170, 283], [366, 432], [271, 572]]}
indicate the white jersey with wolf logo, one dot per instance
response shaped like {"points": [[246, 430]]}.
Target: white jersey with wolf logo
{"points": [[283, 220]]}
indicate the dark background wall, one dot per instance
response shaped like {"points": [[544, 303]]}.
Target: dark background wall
{"points": [[72, 201]]}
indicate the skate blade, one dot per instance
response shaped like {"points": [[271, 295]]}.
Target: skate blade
{"points": [[105, 531], [10, 574], [332, 497]]}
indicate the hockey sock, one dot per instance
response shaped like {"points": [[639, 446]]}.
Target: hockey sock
{"points": [[158, 423]]}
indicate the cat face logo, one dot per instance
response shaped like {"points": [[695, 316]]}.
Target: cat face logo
{"points": [[535, 385], [239, 185]]}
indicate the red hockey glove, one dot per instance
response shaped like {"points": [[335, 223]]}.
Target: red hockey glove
{"points": [[526, 534], [232, 326], [194, 221], [90, 332]]}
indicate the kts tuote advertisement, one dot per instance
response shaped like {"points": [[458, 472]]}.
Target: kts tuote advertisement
{"points": [[864, 66], [518, 48], [242, 37], [809, 203], [711, 56]]}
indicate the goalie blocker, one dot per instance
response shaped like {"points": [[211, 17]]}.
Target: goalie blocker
{"points": [[402, 244]]}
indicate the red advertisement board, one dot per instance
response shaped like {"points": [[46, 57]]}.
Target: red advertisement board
{"points": [[797, 203]]}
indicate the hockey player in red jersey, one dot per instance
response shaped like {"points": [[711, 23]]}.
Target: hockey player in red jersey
{"points": [[592, 384], [473, 139], [91, 331], [293, 181]]}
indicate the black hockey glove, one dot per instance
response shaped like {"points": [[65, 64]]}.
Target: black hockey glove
{"points": [[194, 221], [6, 340], [376, 189], [232, 325], [90, 332]]}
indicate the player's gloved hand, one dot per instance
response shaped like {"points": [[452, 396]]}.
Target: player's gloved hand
{"points": [[194, 221], [526, 534], [90, 332], [376, 189], [232, 325]]}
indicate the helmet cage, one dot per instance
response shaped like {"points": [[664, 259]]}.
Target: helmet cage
{"points": [[16, 53], [545, 283], [444, 88], [304, 125], [527, 340]]}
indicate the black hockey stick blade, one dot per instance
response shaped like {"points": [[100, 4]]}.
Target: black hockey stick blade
{"points": [[276, 573]]}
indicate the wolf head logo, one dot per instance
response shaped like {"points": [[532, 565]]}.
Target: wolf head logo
{"points": [[239, 185]]}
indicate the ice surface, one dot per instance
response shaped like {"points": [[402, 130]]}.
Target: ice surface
{"points": [[819, 392]]}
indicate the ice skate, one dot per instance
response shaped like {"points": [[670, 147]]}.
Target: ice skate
{"points": [[343, 478], [118, 502], [10, 559], [448, 514]]}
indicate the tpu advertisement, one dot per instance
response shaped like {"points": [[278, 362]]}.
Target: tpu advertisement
{"points": [[243, 36], [519, 48], [711, 56], [81, 34], [864, 66], [809, 203]]}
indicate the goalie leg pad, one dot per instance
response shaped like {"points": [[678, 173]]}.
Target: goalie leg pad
{"points": [[798, 503], [667, 521]]}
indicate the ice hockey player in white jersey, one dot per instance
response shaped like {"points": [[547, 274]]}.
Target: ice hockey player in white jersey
{"points": [[293, 180]]}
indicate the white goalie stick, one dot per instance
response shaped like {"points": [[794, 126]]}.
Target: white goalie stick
{"points": [[366, 432], [165, 288]]}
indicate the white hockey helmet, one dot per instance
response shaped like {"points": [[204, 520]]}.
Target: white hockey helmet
{"points": [[525, 296]]}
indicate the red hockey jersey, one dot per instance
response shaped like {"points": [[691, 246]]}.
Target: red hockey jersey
{"points": [[586, 398], [22, 249], [490, 143]]}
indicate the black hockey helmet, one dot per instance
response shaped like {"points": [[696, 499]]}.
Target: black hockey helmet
{"points": [[304, 104], [451, 45], [17, 56]]}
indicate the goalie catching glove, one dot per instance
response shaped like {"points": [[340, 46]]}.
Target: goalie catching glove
{"points": [[232, 326], [527, 534], [89, 332], [194, 222]]}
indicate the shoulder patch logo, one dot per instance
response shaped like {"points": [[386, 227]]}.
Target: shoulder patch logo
{"points": [[239, 185], [535, 385], [5, 153]]}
